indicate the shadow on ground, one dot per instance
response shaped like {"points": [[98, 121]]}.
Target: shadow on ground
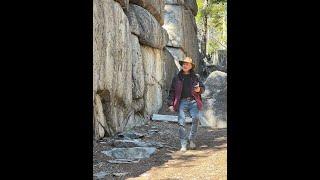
{"points": [[208, 141]]}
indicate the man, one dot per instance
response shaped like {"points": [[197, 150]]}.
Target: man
{"points": [[185, 96]]}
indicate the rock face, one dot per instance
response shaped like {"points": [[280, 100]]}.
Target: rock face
{"points": [[124, 4], [151, 33], [174, 2], [182, 30], [215, 100], [154, 69], [133, 21], [177, 55], [112, 66], [133, 59], [192, 5], [170, 68], [173, 25], [190, 46], [112, 52], [135, 120], [100, 123], [155, 7], [137, 68]]}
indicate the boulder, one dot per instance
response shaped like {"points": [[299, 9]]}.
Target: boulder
{"points": [[153, 69], [215, 100], [153, 65], [124, 4], [154, 7], [153, 99], [112, 67], [151, 32], [133, 21]]}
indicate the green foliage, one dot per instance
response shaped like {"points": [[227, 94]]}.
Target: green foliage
{"points": [[212, 46], [201, 11], [214, 13]]}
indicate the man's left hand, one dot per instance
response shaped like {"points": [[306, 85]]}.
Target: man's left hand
{"points": [[197, 88]]}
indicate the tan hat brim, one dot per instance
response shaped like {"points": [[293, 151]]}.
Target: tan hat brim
{"points": [[193, 65]]}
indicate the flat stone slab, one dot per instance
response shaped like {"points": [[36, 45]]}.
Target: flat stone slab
{"points": [[130, 153], [170, 118], [123, 161], [100, 174], [138, 142]]}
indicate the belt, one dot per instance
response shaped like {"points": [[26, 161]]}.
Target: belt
{"points": [[188, 98]]}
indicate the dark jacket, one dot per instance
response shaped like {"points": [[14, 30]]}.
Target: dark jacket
{"points": [[176, 89]]}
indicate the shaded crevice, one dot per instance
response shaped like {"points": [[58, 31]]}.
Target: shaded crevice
{"points": [[106, 106]]}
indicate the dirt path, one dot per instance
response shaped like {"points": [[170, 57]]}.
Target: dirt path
{"points": [[208, 161], [205, 164]]}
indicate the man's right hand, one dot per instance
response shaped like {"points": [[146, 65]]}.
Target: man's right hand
{"points": [[171, 109]]}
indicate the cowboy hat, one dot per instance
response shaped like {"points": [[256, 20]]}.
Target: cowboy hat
{"points": [[188, 60]]}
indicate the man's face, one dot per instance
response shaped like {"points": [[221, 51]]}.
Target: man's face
{"points": [[186, 66]]}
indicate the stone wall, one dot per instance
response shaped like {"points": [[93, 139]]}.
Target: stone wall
{"points": [[180, 24], [136, 46]]}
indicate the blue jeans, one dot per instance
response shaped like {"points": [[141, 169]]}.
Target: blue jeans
{"points": [[191, 107]]}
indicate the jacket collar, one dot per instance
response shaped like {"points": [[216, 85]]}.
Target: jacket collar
{"points": [[191, 73]]}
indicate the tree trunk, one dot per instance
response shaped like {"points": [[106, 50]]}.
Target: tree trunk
{"points": [[205, 29], [205, 34]]}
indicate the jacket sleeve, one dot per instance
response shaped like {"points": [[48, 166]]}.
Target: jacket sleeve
{"points": [[202, 87], [170, 98]]}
